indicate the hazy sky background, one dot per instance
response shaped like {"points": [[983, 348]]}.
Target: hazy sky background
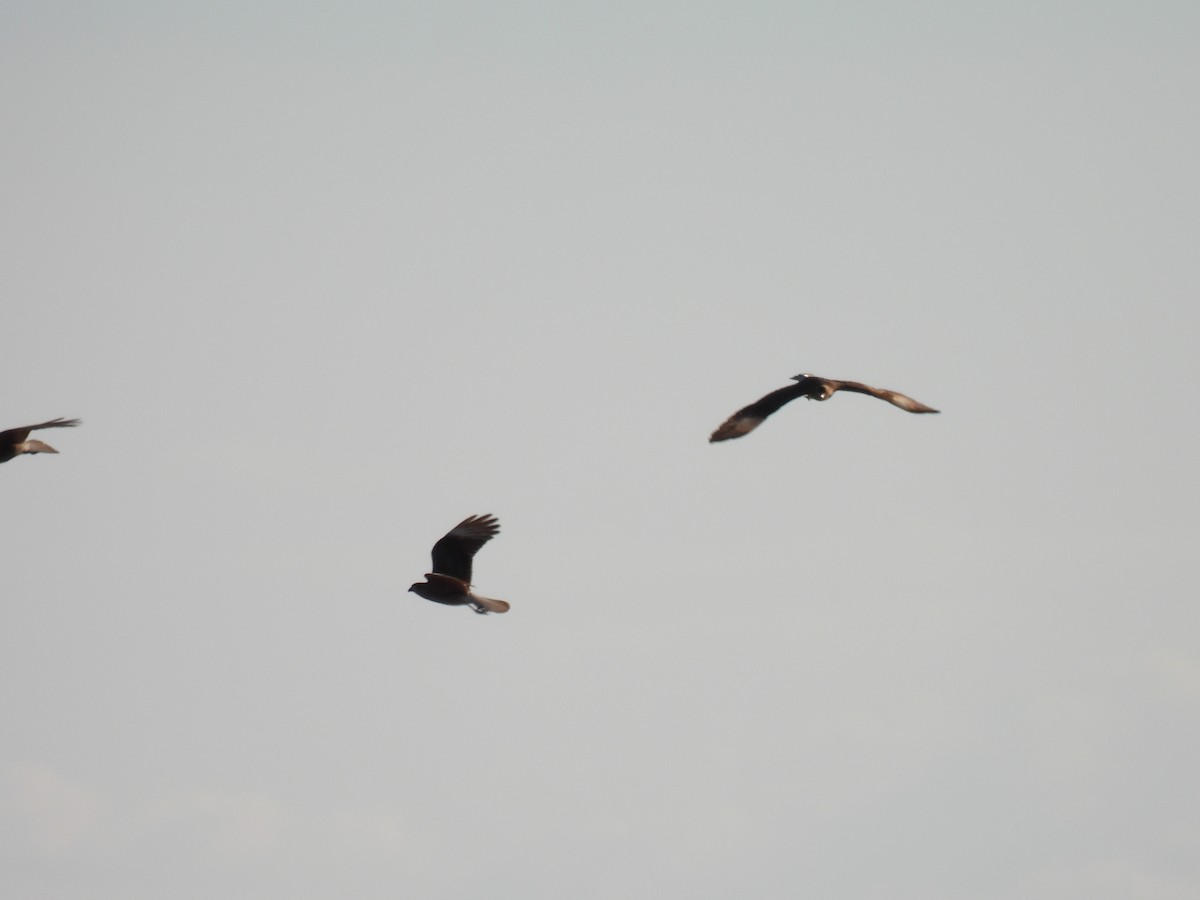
{"points": [[323, 279]]}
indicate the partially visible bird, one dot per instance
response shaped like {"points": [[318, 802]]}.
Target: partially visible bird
{"points": [[813, 387], [15, 441], [450, 580]]}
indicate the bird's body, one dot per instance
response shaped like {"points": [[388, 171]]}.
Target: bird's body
{"points": [[450, 580], [813, 387], [15, 441]]}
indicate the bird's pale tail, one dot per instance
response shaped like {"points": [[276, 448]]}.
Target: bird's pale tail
{"points": [[487, 604], [35, 447]]}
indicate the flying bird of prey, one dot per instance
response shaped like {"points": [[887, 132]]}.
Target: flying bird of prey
{"points": [[16, 441], [813, 387], [450, 580]]}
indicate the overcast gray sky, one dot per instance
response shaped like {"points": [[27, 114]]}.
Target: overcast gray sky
{"points": [[323, 279]]}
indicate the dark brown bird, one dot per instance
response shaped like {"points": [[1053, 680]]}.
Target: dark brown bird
{"points": [[746, 419], [450, 580], [15, 441]]}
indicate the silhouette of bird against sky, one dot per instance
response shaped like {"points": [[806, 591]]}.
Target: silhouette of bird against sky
{"points": [[813, 387], [450, 580], [16, 441]]}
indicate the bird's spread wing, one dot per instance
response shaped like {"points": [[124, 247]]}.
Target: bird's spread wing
{"points": [[893, 397], [452, 554], [56, 423], [18, 435], [750, 417]]}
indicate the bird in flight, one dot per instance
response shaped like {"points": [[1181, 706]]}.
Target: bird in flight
{"points": [[746, 419], [16, 441], [450, 580]]}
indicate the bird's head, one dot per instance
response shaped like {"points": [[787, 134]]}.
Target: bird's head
{"points": [[816, 387]]}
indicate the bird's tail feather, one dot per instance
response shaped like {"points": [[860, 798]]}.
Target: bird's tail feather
{"points": [[488, 604]]}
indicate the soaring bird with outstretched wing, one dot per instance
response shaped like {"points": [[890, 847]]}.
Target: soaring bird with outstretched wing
{"points": [[813, 387], [16, 441], [450, 580]]}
